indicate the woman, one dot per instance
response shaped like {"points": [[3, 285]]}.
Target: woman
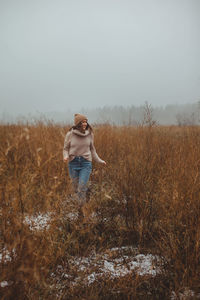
{"points": [[79, 151]]}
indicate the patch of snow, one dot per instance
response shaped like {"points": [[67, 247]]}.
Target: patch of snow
{"points": [[92, 277], [72, 216], [186, 294], [4, 284], [115, 263], [142, 264], [38, 222], [5, 255]]}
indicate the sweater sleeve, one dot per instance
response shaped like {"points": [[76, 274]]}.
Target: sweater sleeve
{"points": [[93, 151], [66, 146]]}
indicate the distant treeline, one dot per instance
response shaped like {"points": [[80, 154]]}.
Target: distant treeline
{"points": [[173, 114]]}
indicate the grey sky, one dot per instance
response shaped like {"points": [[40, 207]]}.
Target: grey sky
{"points": [[69, 54]]}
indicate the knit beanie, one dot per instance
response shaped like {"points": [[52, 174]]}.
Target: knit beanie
{"points": [[79, 118]]}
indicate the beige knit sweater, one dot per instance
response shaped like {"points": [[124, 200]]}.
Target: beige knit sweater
{"points": [[80, 144]]}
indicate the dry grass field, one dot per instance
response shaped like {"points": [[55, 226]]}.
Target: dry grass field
{"points": [[145, 201]]}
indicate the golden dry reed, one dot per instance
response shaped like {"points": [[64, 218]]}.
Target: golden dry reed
{"points": [[147, 196]]}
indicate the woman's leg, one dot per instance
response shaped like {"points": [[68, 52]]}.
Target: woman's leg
{"points": [[74, 170], [84, 175], [79, 171]]}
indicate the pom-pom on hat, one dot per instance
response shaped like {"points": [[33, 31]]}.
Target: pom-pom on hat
{"points": [[79, 118]]}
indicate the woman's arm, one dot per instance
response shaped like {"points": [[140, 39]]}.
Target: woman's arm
{"points": [[94, 153]]}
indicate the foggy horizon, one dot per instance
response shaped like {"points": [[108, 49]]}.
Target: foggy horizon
{"points": [[57, 56]]}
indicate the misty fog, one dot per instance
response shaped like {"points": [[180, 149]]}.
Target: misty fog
{"points": [[62, 56]]}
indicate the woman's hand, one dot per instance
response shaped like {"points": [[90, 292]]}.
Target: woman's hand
{"points": [[104, 163], [65, 160]]}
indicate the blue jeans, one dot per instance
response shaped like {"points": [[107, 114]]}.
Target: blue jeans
{"points": [[79, 171]]}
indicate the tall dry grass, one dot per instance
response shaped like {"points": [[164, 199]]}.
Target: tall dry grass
{"points": [[147, 196]]}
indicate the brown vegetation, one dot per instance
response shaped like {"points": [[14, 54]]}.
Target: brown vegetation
{"points": [[148, 196]]}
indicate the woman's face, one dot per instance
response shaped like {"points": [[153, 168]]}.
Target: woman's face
{"points": [[84, 124]]}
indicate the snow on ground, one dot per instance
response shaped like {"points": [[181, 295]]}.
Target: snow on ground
{"points": [[38, 222], [185, 295], [42, 221], [143, 264], [4, 284], [115, 263], [6, 255]]}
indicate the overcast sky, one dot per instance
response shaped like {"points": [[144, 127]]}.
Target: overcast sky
{"points": [[57, 55]]}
